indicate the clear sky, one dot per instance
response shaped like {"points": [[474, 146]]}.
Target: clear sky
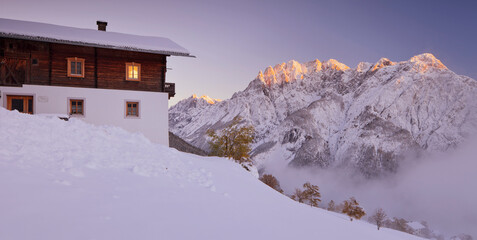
{"points": [[233, 40]]}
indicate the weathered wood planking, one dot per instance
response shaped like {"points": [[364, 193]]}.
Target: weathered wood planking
{"points": [[104, 68]]}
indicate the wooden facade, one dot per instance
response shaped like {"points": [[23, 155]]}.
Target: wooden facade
{"points": [[44, 63]]}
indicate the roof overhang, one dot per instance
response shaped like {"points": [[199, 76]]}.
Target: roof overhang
{"points": [[86, 44], [51, 33]]}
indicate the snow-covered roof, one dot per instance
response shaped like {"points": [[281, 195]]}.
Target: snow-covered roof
{"points": [[89, 37]]}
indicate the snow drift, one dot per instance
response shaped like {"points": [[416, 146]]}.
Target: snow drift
{"points": [[73, 180]]}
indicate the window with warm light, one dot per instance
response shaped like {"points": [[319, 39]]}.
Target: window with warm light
{"points": [[132, 109], [76, 107], [133, 71], [75, 67]]}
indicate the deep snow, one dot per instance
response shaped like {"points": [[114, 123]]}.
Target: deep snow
{"points": [[73, 180]]}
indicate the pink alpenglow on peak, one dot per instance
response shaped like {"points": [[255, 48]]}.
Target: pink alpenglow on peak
{"points": [[260, 76], [383, 62], [207, 99], [269, 77], [335, 65], [313, 66], [296, 70], [426, 61], [293, 71], [281, 73]]}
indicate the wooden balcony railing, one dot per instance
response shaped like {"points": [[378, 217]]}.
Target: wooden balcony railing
{"points": [[13, 71], [170, 88]]}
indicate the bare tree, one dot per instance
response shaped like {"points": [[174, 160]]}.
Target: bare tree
{"points": [[298, 195], [379, 217], [339, 208], [331, 206]]}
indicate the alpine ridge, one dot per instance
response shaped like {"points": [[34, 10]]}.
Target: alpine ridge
{"points": [[325, 114]]}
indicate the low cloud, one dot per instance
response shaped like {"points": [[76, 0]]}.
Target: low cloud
{"points": [[440, 189]]}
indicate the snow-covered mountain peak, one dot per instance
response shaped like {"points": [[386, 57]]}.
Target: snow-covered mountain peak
{"points": [[383, 62], [207, 99], [313, 66], [294, 66], [363, 67], [194, 102], [282, 73], [423, 62], [293, 70], [261, 77], [335, 65], [268, 77], [325, 114]]}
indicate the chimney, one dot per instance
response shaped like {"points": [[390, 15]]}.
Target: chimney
{"points": [[102, 25]]}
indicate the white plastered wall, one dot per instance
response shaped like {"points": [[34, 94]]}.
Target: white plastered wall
{"points": [[102, 107]]}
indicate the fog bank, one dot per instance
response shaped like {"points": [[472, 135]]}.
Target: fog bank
{"points": [[440, 189]]}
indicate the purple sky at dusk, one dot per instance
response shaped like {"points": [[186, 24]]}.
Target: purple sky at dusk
{"points": [[233, 40]]}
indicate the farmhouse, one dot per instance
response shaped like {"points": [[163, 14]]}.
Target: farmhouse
{"points": [[98, 76]]}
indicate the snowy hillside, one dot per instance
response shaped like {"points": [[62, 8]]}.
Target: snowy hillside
{"points": [[326, 114], [72, 180]]}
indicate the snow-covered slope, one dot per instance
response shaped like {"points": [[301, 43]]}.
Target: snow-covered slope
{"points": [[73, 180], [326, 114]]}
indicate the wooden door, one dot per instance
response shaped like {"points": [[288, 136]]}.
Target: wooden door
{"points": [[23, 104]]}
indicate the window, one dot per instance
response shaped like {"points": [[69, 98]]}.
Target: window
{"points": [[132, 109], [76, 107], [22, 104], [133, 71], [75, 67]]}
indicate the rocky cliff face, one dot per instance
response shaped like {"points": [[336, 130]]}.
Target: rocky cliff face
{"points": [[325, 114]]}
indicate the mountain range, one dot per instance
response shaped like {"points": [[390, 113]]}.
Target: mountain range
{"points": [[324, 114]]}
